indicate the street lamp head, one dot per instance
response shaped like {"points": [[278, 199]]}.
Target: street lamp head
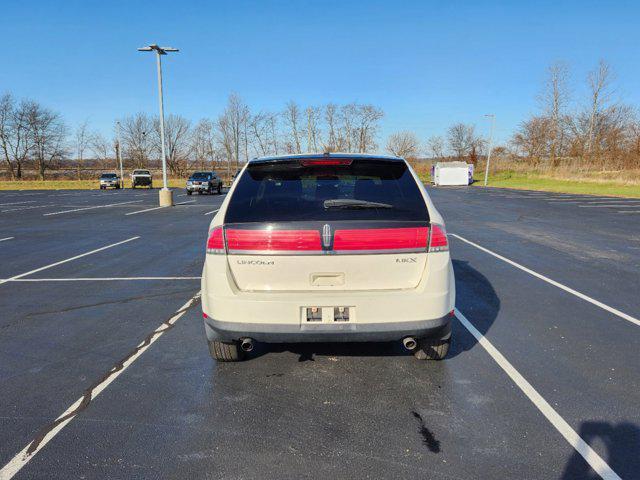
{"points": [[159, 50]]}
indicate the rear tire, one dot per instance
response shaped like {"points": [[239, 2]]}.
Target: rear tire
{"points": [[432, 348], [226, 351], [219, 189], [189, 192]]}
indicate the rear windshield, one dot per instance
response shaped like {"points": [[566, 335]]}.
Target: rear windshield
{"points": [[365, 190], [200, 175], [141, 172], [108, 175]]}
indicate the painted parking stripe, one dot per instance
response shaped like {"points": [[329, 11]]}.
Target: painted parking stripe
{"points": [[17, 203], [611, 205], [90, 208], [19, 209], [145, 210], [183, 203], [6, 238], [570, 290], [50, 431], [99, 279], [628, 211], [15, 277], [560, 424], [212, 211]]}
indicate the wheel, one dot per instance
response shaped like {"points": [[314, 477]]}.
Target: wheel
{"points": [[199, 192], [226, 351], [432, 348], [133, 185], [189, 192], [219, 188], [210, 191], [150, 187]]}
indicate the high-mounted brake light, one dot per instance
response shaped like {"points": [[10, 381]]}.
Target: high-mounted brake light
{"points": [[438, 241], [215, 242], [326, 162], [377, 239], [247, 241]]}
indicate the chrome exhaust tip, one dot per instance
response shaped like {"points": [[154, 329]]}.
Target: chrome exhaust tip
{"points": [[246, 344], [410, 343]]}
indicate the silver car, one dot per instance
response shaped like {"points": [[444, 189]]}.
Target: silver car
{"points": [[109, 180]]}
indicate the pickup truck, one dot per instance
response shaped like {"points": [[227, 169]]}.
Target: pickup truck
{"points": [[141, 178]]}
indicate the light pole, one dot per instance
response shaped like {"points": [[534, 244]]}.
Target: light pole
{"points": [[120, 155], [493, 122], [166, 196]]}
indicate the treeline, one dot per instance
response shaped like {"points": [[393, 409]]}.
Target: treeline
{"points": [[594, 130], [34, 137]]}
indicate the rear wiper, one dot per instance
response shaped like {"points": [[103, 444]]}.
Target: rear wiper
{"points": [[353, 203]]}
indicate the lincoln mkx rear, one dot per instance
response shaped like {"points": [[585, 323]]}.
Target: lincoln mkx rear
{"points": [[327, 248]]}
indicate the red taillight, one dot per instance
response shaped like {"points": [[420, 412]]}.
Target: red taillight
{"points": [[239, 241], [438, 241], [381, 239], [215, 243], [325, 162]]}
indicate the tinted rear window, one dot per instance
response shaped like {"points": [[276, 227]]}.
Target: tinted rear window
{"points": [[287, 191], [108, 175]]}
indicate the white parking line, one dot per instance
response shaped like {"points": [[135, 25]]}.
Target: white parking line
{"points": [[100, 279], [15, 277], [145, 210], [611, 205], [16, 203], [6, 238], [212, 211], [90, 208], [570, 290], [47, 434], [628, 211], [27, 208], [576, 441], [184, 203]]}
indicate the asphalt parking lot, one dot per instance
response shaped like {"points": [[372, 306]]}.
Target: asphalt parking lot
{"points": [[105, 373]]}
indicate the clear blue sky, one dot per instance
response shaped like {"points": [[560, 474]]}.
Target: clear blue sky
{"points": [[426, 63]]}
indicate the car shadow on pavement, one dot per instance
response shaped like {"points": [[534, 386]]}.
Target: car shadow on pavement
{"points": [[477, 300], [622, 443], [481, 305]]}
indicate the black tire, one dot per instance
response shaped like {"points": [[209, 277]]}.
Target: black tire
{"points": [[189, 192], [199, 192], [219, 188], [432, 348], [210, 191], [150, 187], [226, 351], [133, 185]]}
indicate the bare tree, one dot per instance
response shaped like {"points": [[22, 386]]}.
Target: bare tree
{"points": [[102, 149], [312, 115], [15, 138], [331, 121], [292, 119], [176, 138], [435, 146], [367, 119], [403, 144], [461, 139], [599, 83], [531, 137], [137, 133], [202, 143], [48, 134], [81, 139], [554, 100], [230, 129], [346, 135]]}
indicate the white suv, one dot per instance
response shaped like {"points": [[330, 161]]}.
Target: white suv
{"points": [[327, 248]]}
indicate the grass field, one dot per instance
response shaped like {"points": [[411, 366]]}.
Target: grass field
{"points": [[550, 184], [74, 184]]}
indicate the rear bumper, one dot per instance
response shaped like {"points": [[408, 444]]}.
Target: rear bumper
{"points": [[336, 332], [196, 188]]}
